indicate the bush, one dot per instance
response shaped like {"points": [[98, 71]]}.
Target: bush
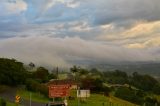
{"points": [[156, 89], [106, 91], [129, 95], [43, 89], [35, 86], [95, 85], [150, 101], [144, 82], [2, 102], [32, 85]]}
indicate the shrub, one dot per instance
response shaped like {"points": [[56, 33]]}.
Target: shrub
{"points": [[35, 86], [150, 101], [2, 102], [129, 95], [156, 89]]}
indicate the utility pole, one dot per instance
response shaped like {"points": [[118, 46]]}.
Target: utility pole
{"points": [[57, 72]]}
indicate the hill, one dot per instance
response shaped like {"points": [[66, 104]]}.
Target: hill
{"points": [[150, 68]]}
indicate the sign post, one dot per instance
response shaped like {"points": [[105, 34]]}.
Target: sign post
{"points": [[78, 93], [30, 99], [65, 102]]}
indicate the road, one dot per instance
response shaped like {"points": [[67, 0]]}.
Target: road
{"points": [[10, 96]]}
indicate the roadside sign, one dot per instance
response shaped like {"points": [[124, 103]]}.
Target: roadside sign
{"points": [[17, 98], [83, 93], [59, 90]]}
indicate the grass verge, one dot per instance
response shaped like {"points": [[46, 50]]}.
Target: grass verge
{"points": [[37, 97]]}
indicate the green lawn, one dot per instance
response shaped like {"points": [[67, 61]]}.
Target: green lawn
{"points": [[11, 104], [98, 100], [37, 97], [158, 97]]}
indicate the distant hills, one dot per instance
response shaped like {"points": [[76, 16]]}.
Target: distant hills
{"points": [[151, 68]]}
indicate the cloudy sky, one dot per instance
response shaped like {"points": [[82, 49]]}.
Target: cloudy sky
{"points": [[67, 32]]}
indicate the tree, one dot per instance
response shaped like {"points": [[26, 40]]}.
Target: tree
{"points": [[156, 89], [41, 74], [129, 95], [74, 69], [83, 71], [35, 86], [144, 82], [94, 84], [12, 72], [116, 77], [31, 65], [95, 71], [151, 101]]}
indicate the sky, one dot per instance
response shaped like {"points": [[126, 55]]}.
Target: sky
{"points": [[69, 32]]}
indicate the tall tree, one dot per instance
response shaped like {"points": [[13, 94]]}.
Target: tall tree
{"points": [[12, 72], [41, 74], [74, 69]]}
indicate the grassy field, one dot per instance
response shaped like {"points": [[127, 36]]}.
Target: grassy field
{"points": [[37, 97], [11, 104], [155, 96], [158, 97], [100, 100]]}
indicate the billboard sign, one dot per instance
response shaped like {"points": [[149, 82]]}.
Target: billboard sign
{"points": [[58, 91]]}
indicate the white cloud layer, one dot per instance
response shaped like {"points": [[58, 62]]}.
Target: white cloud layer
{"points": [[64, 52]]}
